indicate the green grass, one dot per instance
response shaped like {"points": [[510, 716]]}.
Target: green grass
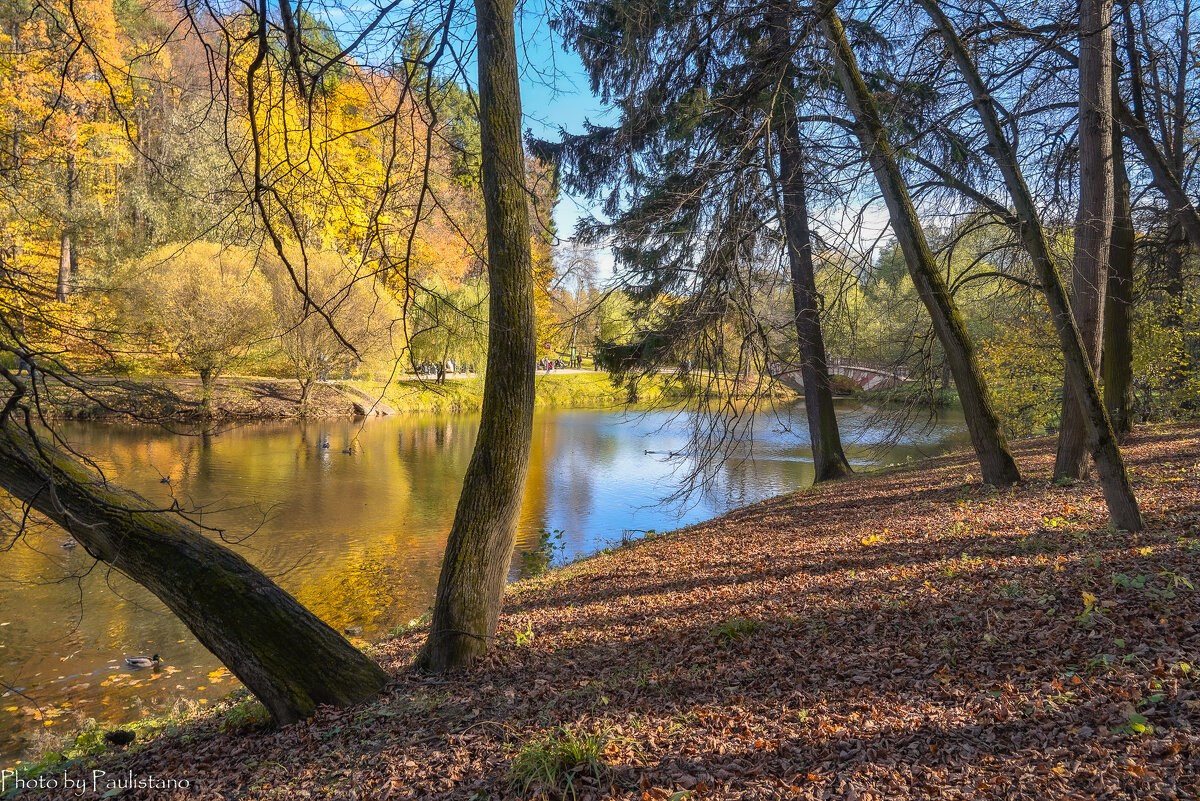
{"points": [[550, 766], [562, 390], [732, 630], [911, 393]]}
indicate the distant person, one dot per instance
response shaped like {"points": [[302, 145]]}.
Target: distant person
{"points": [[24, 362]]}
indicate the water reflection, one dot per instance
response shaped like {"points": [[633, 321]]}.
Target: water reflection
{"points": [[351, 517]]}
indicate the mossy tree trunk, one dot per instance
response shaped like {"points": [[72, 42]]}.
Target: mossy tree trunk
{"points": [[475, 567], [284, 654], [991, 447], [1094, 221], [1118, 493], [829, 462]]}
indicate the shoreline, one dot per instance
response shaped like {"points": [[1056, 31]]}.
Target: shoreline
{"points": [[257, 398], [903, 634]]}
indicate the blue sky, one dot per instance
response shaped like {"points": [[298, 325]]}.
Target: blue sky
{"points": [[555, 93]]}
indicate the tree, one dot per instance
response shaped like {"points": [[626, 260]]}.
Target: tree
{"points": [[205, 302], [987, 437], [708, 152], [829, 462], [353, 304], [1118, 493], [1117, 358], [1094, 223], [475, 567]]}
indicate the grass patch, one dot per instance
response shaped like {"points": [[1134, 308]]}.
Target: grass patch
{"points": [[550, 767], [732, 630]]}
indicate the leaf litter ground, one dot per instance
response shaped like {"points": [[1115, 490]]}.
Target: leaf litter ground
{"points": [[912, 634]]}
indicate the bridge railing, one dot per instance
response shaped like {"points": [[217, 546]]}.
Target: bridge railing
{"points": [[898, 370]]}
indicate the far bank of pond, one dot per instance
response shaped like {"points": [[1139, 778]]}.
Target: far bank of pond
{"points": [[246, 398], [357, 536]]}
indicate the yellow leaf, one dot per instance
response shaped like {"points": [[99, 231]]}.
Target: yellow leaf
{"points": [[1089, 599]]}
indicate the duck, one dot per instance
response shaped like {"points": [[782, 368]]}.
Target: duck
{"points": [[69, 544], [165, 480], [143, 661]]}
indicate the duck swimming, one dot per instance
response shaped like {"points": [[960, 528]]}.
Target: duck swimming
{"points": [[143, 661]]}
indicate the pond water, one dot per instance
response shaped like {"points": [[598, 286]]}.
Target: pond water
{"points": [[357, 536]]}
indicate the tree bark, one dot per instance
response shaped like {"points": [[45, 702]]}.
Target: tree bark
{"points": [[1094, 221], [63, 289], [306, 385], [284, 654], [66, 255], [478, 553], [829, 462], [991, 447], [208, 386], [1118, 494], [1117, 362]]}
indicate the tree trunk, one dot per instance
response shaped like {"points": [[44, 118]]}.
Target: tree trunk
{"points": [[829, 462], [1164, 177], [306, 385], [63, 289], [995, 460], [208, 385], [478, 553], [1094, 221], [289, 659], [66, 255], [1117, 361], [1118, 494]]}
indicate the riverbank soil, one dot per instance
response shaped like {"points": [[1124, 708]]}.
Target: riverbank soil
{"points": [[906, 635], [179, 399], [247, 398]]}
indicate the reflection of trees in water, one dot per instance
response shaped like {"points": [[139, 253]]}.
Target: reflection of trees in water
{"points": [[576, 461]]}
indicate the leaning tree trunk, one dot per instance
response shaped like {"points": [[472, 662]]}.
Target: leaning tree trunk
{"points": [[475, 568], [991, 447], [289, 659], [1094, 221], [829, 462], [1165, 178], [1118, 494], [1117, 360]]}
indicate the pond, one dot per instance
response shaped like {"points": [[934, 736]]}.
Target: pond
{"points": [[351, 516]]}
